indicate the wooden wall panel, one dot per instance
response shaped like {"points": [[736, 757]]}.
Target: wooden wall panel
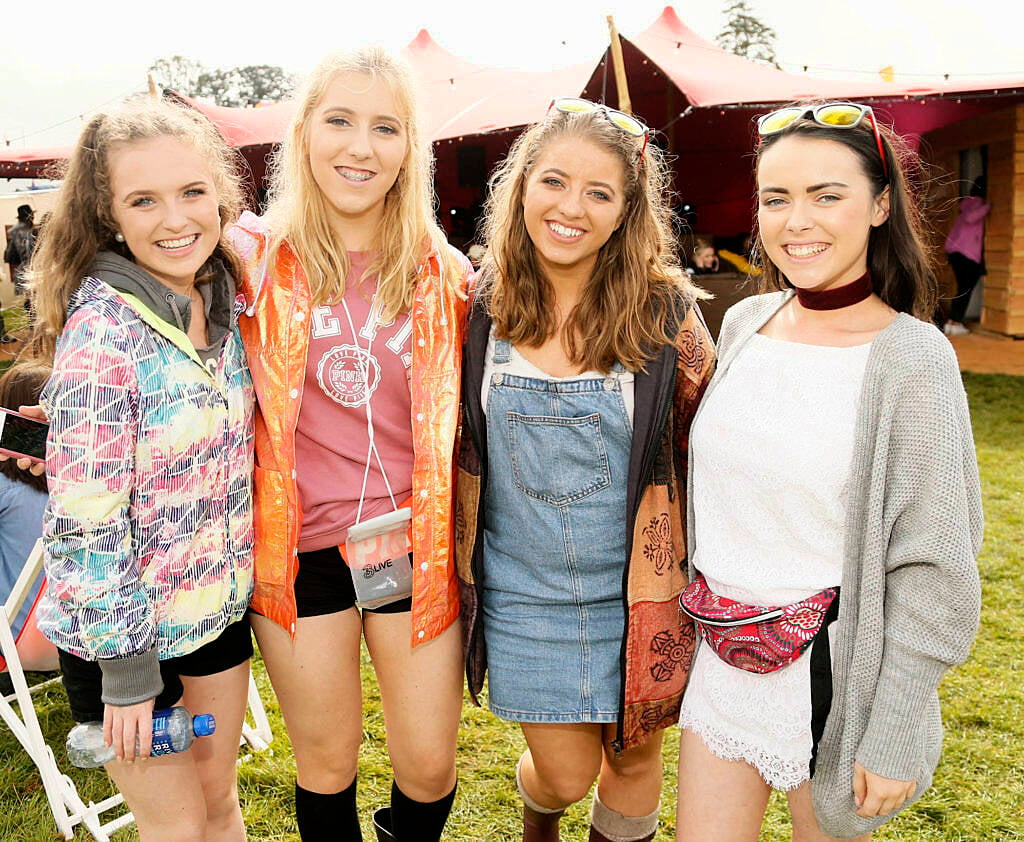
{"points": [[1003, 133]]}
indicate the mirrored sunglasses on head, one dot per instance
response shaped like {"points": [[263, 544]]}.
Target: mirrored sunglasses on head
{"points": [[620, 119], [834, 115]]}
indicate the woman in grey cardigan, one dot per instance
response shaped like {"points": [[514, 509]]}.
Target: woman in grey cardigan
{"points": [[832, 471]]}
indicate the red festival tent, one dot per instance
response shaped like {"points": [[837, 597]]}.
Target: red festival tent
{"points": [[701, 97], [30, 163], [707, 75], [460, 98], [705, 100]]}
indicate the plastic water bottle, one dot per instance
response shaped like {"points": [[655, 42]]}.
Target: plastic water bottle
{"points": [[174, 730]]}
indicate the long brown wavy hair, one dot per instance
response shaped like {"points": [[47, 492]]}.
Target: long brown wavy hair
{"points": [[408, 231], [82, 223], [623, 313], [899, 256]]}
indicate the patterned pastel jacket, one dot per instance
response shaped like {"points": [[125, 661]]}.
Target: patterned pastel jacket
{"points": [[148, 530], [656, 650], [276, 334]]}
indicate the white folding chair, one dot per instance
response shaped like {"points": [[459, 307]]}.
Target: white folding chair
{"points": [[65, 803], [258, 734]]}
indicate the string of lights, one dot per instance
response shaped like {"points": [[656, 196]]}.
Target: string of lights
{"points": [[25, 135], [453, 81], [823, 68]]}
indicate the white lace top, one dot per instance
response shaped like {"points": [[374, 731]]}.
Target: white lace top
{"points": [[770, 455]]}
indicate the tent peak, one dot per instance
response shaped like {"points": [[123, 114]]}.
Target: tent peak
{"points": [[422, 39], [670, 26]]}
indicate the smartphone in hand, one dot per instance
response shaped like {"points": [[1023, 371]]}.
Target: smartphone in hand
{"points": [[21, 436]]}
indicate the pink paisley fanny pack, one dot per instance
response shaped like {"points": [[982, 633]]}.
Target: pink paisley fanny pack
{"points": [[756, 638]]}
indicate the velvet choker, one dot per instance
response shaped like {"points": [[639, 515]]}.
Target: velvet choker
{"points": [[837, 297]]}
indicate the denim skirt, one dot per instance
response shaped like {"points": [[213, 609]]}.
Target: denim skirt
{"points": [[555, 546]]}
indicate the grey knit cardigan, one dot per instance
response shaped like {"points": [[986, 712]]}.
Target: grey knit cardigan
{"points": [[910, 595]]}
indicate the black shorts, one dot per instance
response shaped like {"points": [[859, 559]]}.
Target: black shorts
{"points": [[324, 586], [83, 680]]}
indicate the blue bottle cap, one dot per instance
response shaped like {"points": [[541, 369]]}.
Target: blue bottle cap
{"points": [[203, 725]]}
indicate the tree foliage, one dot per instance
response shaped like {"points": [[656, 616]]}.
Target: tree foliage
{"points": [[245, 85], [234, 86], [178, 73], [746, 36]]}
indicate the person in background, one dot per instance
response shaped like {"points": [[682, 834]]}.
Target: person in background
{"points": [[705, 259], [21, 240], [585, 359], [22, 501], [965, 252], [148, 530], [476, 253], [834, 492], [20, 245], [354, 336]]}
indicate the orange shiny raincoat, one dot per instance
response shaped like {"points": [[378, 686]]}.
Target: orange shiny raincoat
{"points": [[275, 330]]}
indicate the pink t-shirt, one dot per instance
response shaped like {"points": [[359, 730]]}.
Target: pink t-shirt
{"points": [[332, 440]]}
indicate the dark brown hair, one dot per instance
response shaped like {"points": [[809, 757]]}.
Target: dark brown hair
{"points": [[20, 385], [898, 253]]}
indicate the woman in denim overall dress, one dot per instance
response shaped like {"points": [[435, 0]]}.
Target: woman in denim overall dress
{"points": [[584, 360]]}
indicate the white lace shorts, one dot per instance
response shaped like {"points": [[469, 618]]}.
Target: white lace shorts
{"points": [[764, 720]]}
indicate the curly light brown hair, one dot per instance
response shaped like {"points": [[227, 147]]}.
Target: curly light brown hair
{"points": [[82, 222]]}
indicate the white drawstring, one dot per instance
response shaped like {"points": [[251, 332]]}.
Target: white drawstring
{"points": [[261, 272]]}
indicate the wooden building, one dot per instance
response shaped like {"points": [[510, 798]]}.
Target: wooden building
{"points": [[992, 145]]}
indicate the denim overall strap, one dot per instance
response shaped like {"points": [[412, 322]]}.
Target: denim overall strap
{"points": [[502, 352]]}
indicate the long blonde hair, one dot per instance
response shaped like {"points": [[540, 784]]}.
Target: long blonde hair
{"points": [[82, 222], [408, 231], [624, 312]]}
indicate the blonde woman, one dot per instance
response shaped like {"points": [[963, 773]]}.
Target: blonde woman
{"points": [[148, 529], [584, 362], [353, 329]]}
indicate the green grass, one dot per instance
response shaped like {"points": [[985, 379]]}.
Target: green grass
{"points": [[14, 318], [978, 788]]}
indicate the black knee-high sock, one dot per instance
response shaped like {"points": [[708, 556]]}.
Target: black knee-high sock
{"points": [[416, 820], [327, 818]]}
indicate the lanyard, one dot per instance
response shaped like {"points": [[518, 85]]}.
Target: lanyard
{"points": [[372, 451]]}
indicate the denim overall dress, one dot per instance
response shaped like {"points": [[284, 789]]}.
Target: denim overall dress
{"points": [[554, 545]]}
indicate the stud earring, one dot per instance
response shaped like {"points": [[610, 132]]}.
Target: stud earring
{"points": [[119, 237]]}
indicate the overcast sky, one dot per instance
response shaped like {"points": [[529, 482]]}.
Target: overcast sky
{"points": [[61, 59]]}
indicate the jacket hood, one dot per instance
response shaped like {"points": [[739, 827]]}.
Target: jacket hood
{"points": [[175, 309]]}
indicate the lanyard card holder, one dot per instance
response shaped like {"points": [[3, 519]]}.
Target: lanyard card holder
{"points": [[377, 552]]}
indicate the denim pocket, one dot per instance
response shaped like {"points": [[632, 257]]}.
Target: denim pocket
{"points": [[558, 460]]}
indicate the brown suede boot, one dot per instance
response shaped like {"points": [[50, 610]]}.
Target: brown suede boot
{"points": [[540, 827], [539, 823]]}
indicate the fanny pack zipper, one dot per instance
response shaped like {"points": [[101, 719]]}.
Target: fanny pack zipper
{"points": [[756, 618]]}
